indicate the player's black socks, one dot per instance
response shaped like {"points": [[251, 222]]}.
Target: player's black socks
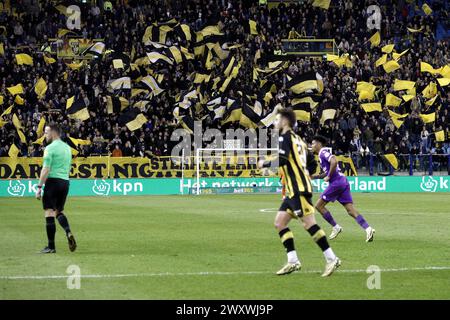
{"points": [[62, 219], [319, 237], [287, 238], [51, 230]]}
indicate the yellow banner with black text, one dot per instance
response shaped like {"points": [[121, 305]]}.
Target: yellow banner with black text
{"points": [[128, 167]]}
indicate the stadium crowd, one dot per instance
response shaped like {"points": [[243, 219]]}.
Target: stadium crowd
{"points": [[28, 26]]}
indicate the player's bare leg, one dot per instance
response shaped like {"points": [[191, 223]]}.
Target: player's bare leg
{"points": [[287, 238], [318, 235], [51, 230], [64, 223], [351, 210], [321, 207]]}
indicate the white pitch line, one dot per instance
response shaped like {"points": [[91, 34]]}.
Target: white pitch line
{"points": [[207, 273]]}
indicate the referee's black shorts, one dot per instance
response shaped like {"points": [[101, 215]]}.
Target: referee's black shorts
{"points": [[55, 194]]}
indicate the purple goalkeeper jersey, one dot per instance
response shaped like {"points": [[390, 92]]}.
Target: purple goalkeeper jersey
{"points": [[324, 159]]}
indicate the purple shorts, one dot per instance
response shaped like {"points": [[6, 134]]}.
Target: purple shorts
{"points": [[340, 192]]}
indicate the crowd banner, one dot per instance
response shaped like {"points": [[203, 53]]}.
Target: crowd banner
{"points": [[174, 186], [130, 167]]}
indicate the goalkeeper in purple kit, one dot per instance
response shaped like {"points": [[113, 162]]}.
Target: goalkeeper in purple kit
{"points": [[338, 189]]}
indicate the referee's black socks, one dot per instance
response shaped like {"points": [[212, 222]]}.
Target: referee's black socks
{"points": [[51, 230], [62, 219]]}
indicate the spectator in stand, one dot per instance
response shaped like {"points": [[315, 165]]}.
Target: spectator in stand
{"points": [[117, 152]]}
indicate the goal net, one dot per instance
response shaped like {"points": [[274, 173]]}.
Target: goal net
{"points": [[233, 170]]}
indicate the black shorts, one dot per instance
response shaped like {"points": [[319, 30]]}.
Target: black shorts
{"points": [[55, 194], [300, 205]]}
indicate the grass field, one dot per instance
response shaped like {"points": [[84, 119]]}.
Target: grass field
{"points": [[223, 247]]}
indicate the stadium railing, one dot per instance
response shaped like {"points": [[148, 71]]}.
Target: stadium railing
{"points": [[408, 164]]}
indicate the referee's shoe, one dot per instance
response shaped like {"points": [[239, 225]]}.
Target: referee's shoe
{"points": [[71, 241], [47, 250]]}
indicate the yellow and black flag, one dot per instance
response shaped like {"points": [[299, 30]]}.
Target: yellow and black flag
{"points": [[233, 111], [13, 151], [175, 53], [302, 111], [184, 117], [228, 65], [440, 135], [253, 27], [80, 142], [97, 49], [73, 144], [312, 100], [303, 83], [156, 33], [116, 104], [187, 122], [40, 88], [426, 9], [428, 117], [426, 67], [152, 85], [375, 39], [403, 85], [392, 100], [391, 159], [120, 83], [76, 108], [133, 119], [23, 58], [48, 59], [19, 128], [120, 58], [75, 65], [328, 111], [40, 127], [249, 118], [7, 111], [155, 56], [324, 4], [430, 90], [391, 66], [141, 104], [183, 31], [216, 108], [372, 107], [243, 114], [17, 89], [39, 141], [397, 119], [136, 72], [269, 118], [209, 30], [223, 83], [19, 100]]}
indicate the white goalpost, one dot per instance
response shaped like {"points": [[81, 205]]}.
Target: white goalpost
{"points": [[231, 151]]}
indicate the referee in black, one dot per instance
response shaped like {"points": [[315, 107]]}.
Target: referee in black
{"points": [[55, 176]]}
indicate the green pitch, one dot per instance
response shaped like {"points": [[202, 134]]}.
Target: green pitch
{"points": [[223, 247]]}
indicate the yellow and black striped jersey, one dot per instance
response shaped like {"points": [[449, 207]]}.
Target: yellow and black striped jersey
{"points": [[293, 153]]}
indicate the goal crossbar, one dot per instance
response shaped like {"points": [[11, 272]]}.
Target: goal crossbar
{"points": [[199, 150]]}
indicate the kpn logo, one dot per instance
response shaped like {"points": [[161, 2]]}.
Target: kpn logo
{"points": [[115, 187], [430, 184], [101, 188], [16, 188]]}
